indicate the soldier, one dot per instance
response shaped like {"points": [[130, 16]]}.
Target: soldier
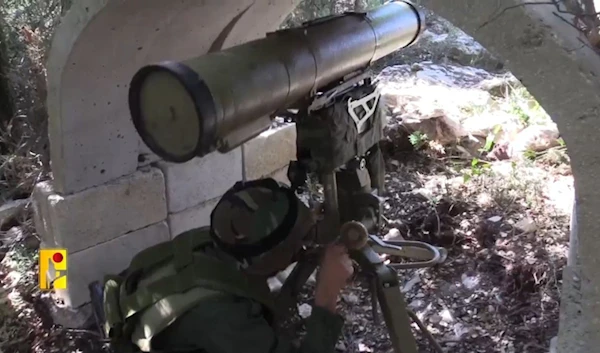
{"points": [[206, 290]]}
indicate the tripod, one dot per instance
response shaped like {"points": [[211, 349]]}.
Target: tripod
{"points": [[351, 209]]}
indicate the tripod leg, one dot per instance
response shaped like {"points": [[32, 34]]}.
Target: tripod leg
{"points": [[391, 300], [393, 308]]}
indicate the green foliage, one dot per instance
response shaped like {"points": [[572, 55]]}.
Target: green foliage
{"points": [[39, 17], [478, 168], [418, 139], [530, 155], [525, 107], [6, 101], [518, 111], [490, 139], [26, 28]]}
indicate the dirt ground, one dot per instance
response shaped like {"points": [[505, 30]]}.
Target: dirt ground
{"points": [[506, 233], [499, 290]]}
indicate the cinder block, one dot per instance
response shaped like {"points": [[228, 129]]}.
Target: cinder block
{"points": [[201, 179], [193, 217], [110, 257], [102, 213], [270, 151]]}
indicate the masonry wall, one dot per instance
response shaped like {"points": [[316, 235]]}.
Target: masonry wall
{"points": [[103, 227]]}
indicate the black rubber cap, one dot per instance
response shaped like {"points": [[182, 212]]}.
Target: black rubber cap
{"points": [[203, 102]]}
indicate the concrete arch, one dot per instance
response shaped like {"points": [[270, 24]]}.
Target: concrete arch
{"points": [[99, 175], [550, 59], [96, 50]]}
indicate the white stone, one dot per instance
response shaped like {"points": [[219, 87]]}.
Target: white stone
{"points": [[553, 344], [495, 219], [274, 284], [201, 179], [526, 225], [191, 218], [270, 151], [102, 213], [304, 310], [534, 138], [393, 234], [69, 317], [110, 257]]}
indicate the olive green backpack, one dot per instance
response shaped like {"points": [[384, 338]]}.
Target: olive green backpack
{"points": [[163, 282]]}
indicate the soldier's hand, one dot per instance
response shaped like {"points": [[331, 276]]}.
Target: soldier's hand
{"points": [[335, 270]]}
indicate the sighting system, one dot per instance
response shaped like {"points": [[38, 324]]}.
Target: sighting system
{"points": [[317, 76]]}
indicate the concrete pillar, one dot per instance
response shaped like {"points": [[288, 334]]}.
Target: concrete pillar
{"points": [[550, 59]]}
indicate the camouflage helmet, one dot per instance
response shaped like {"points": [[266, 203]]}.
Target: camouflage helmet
{"points": [[261, 223]]}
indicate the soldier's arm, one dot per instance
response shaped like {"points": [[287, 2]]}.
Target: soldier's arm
{"points": [[232, 325]]}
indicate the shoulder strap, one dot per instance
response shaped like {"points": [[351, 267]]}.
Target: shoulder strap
{"points": [[193, 269]]}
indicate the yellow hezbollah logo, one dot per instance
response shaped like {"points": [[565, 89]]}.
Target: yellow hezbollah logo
{"points": [[58, 258]]}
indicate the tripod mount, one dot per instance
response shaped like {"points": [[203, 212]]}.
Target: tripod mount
{"points": [[338, 134]]}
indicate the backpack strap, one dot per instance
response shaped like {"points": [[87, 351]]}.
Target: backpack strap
{"points": [[203, 271]]}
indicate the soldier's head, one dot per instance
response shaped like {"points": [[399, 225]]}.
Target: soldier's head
{"points": [[262, 224]]}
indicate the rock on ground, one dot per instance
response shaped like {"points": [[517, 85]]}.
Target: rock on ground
{"points": [[450, 104]]}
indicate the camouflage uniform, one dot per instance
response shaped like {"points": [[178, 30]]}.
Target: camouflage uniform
{"points": [[256, 229], [228, 324]]}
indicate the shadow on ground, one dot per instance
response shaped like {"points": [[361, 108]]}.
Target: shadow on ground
{"points": [[499, 290]]}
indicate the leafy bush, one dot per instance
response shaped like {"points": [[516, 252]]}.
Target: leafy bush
{"points": [[26, 28]]}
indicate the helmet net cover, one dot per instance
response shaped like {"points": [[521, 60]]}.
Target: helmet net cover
{"points": [[261, 223]]}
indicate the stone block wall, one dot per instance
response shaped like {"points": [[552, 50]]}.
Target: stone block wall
{"points": [[104, 226]]}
